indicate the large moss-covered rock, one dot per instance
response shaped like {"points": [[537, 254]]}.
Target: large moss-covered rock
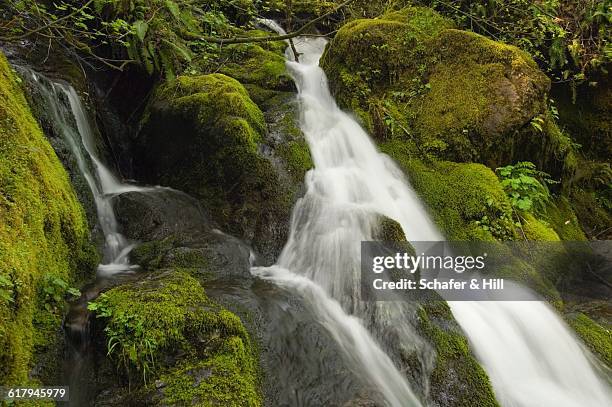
{"points": [[201, 135], [44, 236], [164, 328], [410, 75]]}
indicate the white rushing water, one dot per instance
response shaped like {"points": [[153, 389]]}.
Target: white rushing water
{"points": [[531, 356], [72, 123]]}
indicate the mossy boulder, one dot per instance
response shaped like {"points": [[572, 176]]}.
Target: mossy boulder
{"points": [[44, 235], [202, 135], [389, 230], [164, 329], [460, 96]]}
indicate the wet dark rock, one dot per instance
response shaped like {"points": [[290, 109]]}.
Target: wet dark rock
{"points": [[158, 213]]}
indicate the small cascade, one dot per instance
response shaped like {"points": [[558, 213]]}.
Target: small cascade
{"points": [[70, 121]]}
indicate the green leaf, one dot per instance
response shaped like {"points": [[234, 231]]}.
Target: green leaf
{"points": [[174, 9], [140, 28]]}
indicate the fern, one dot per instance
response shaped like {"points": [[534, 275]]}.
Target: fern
{"points": [[525, 186]]}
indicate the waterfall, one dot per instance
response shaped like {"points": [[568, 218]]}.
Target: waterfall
{"points": [[71, 122], [530, 355]]}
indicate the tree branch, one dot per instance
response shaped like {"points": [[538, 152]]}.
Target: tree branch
{"points": [[243, 40], [49, 25]]}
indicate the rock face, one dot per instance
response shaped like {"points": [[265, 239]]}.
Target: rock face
{"points": [[159, 213], [201, 135], [410, 75], [44, 235]]}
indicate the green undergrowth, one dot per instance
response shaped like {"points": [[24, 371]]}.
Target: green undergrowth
{"points": [[44, 236], [165, 328]]}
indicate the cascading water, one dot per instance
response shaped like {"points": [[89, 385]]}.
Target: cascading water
{"points": [[530, 355], [72, 124]]}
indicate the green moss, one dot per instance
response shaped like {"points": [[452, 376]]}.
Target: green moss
{"points": [[214, 96], [165, 317], [537, 230], [250, 63], [457, 378], [563, 220], [296, 155], [466, 200], [595, 336], [227, 378], [43, 231]]}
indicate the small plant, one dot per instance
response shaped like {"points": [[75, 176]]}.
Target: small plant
{"points": [[525, 186], [128, 342], [498, 221], [54, 291], [538, 123], [6, 289]]}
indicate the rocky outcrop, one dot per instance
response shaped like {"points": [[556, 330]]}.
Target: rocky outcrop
{"points": [[164, 329]]}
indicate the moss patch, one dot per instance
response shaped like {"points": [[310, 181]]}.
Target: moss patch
{"points": [[43, 232], [537, 230], [563, 220], [457, 378], [252, 64], [596, 337], [164, 327]]}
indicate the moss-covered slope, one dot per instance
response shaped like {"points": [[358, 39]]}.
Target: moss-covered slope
{"points": [[44, 236]]}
